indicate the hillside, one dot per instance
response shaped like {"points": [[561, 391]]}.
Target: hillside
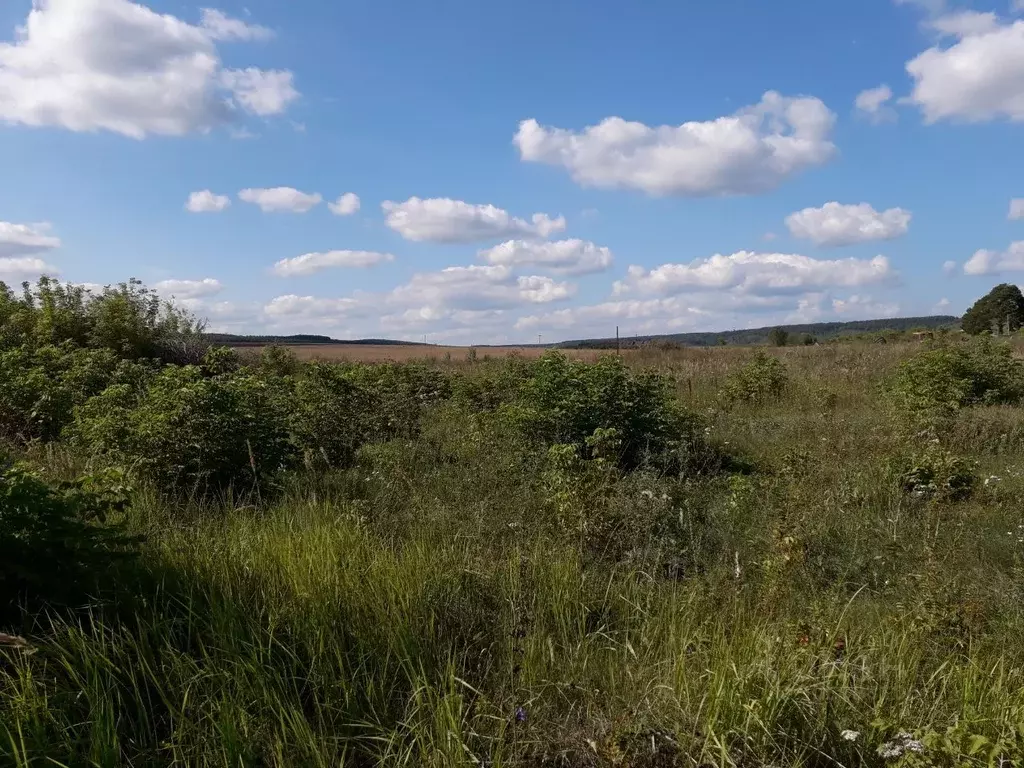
{"points": [[749, 336], [245, 340]]}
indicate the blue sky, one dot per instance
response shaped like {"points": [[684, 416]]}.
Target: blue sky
{"points": [[692, 166]]}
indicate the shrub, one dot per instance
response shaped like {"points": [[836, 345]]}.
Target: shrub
{"points": [[762, 379], [39, 388], [567, 402], [331, 415], [940, 475], [400, 394], [944, 379], [189, 432], [54, 540]]}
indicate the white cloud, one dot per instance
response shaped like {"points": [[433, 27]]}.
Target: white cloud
{"points": [[311, 307], [863, 308], [1017, 6], [116, 65], [25, 239], [933, 7], [1016, 205], [189, 289], [964, 23], [942, 305], [652, 315], [206, 201], [261, 92], [442, 220], [220, 26], [309, 263], [986, 262], [873, 103], [478, 288], [949, 267], [834, 224], [753, 273], [753, 150], [280, 199], [567, 257], [345, 205], [17, 268], [978, 77]]}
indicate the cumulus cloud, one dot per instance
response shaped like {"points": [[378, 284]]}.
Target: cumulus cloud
{"points": [[873, 103], [442, 220], [311, 307], [753, 150], [206, 201], [834, 224], [18, 268], [754, 273], [116, 65], [986, 262], [949, 267], [942, 305], [189, 289], [261, 92], [478, 287], [345, 205], [1016, 206], [220, 26], [567, 257], [980, 76], [26, 239], [309, 263], [280, 199], [863, 307]]}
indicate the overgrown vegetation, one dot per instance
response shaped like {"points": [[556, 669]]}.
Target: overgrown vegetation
{"points": [[679, 557]]}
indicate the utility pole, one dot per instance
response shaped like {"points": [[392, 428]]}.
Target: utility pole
{"points": [[538, 339], [618, 346]]}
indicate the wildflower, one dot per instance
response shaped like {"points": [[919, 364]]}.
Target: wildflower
{"points": [[520, 715], [903, 743], [849, 735], [992, 480]]}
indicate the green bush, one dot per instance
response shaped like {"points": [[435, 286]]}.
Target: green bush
{"points": [[40, 388], [189, 432], [400, 392], [567, 402], [54, 539], [940, 475], [331, 416], [761, 380], [947, 378]]}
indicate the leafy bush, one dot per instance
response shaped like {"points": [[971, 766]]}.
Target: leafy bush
{"points": [[564, 401], [53, 538], [400, 393], [39, 388], [949, 377], [940, 475], [331, 415], [189, 432], [761, 380], [128, 319]]}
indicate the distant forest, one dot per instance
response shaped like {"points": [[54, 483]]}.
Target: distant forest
{"points": [[235, 340], [750, 336]]}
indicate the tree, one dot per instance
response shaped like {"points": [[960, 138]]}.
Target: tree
{"points": [[1001, 310], [778, 337]]}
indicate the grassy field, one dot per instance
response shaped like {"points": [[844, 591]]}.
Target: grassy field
{"points": [[843, 590], [403, 353]]}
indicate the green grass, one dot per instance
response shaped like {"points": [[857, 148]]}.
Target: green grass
{"points": [[451, 602]]}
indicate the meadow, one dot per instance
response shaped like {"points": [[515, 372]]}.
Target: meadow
{"points": [[797, 556]]}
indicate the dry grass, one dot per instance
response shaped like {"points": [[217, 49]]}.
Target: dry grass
{"points": [[404, 353]]}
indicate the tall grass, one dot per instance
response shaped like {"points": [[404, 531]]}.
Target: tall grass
{"points": [[424, 608]]}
